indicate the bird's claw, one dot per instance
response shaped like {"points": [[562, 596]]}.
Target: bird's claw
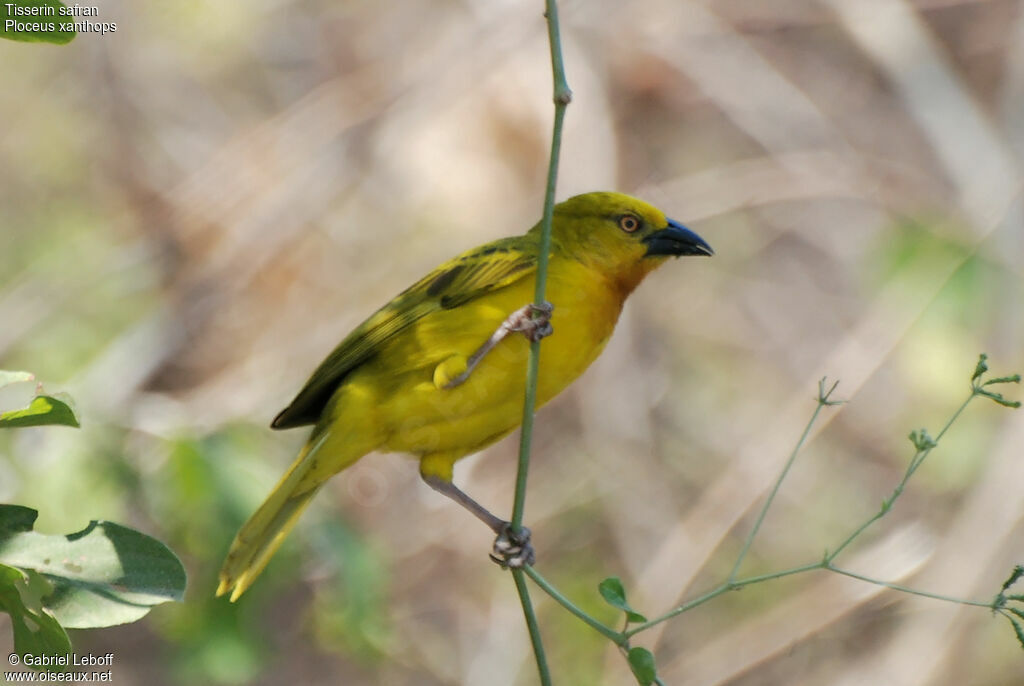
{"points": [[532, 320], [512, 549]]}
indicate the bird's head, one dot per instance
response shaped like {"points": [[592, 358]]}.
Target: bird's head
{"points": [[623, 237]]}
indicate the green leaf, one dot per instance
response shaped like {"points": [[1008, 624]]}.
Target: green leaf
{"points": [[1013, 378], [998, 397], [922, 440], [615, 595], [15, 519], [36, 631], [981, 367], [34, 28], [1017, 629], [641, 661], [7, 378], [105, 574], [1017, 573], [44, 410]]}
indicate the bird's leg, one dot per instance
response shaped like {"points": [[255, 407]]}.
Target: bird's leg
{"points": [[533, 321], [449, 489], [511, 548]]}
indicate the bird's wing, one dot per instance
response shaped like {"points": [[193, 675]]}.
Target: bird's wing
{"points": [[454, 283]]}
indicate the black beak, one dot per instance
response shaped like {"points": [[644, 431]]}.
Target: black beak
{"points": [[675, 239]]}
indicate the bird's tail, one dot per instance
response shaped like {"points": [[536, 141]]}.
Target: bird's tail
{"points": [[261, 536]]}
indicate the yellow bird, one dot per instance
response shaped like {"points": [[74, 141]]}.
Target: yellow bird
{"points": [[434, 372]]}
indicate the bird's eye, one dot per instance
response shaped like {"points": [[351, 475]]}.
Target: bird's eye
{"points": [[629, 223]]}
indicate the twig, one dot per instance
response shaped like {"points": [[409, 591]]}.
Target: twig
{"points": [[609, 633], [923, 443], [562, 97], [823, 401], [532, 627]]}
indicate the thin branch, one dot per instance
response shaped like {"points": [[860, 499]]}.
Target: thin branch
{"points": [[606, 631], [562, 96], [922, 452], [823, 401], [906, 589], [924, 444], [532, 626]]}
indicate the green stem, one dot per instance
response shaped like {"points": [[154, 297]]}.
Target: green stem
{"points": [[732, 583], [688, 605], [905, 589], [562, 97], [956, 415], [822, 402], [924, 448], [719, 590], [616, 637], [532, 627], [809, 567], [915, 462]]}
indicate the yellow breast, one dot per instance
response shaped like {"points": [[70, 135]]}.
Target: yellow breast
{"points": [[396, 392]]}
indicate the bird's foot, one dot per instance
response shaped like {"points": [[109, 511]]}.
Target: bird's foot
{"points": [[533, 321], [512, 549]]}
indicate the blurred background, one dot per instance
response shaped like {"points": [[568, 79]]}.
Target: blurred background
{"points": [[196, 208]]}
